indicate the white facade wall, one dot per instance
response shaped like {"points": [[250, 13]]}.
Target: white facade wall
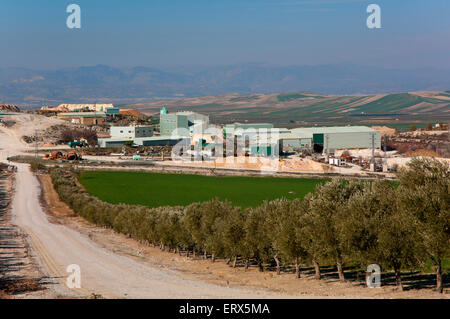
{"points": [[92, 107], [351, 140], [131, 132]]}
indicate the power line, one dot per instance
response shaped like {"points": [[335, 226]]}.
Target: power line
{"points": [[373, 150], [35, 145]]}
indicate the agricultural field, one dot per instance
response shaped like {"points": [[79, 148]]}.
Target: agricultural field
{"points": [[155, 189], [306, 108]]}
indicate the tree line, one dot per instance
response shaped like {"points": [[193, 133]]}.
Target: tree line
{"points": [[398, 226]]}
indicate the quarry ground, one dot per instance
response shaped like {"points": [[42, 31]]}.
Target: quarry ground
{"points": [[115, 266], [104, 272]]}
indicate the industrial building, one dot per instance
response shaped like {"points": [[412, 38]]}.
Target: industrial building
{"points": [[112, 111], [131, 132], [238, 128], [259, 139], [185, 122], [278, 141], [294, 142], [169, 123], [78, 107], [84, 118], [137, 135], [139, 141], [158, 140], [328, 139], [318, 139], [197, 123], [263, 139]]}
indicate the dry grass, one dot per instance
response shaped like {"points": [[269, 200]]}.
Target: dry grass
{"points": [[10, 287], [422, 152]]}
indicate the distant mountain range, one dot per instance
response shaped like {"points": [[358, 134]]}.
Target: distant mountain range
{"points": [[31, 88]]}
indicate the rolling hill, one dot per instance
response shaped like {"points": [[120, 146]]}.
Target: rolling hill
{"points": [[107, 84], [304, 107]]}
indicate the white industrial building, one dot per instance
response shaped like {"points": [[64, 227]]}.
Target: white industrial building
{"points": [[102, 107], [137, 135], [131, 132], [185, 122]]}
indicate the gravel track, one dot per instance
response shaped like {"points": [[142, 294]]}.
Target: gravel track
{"points": [[102, 271]]}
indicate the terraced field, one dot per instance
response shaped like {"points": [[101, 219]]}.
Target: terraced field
{"points": [[290, 109]]}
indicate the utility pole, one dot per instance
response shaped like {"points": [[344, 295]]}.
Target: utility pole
{"points": [[35, 146], [385, 155], [373, 151], [95, 112]]}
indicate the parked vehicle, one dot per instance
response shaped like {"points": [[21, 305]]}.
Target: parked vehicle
{"points": [[78, 143]]}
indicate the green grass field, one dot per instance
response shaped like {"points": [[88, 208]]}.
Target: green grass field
{"points": [[290, 97], [154, 190]]}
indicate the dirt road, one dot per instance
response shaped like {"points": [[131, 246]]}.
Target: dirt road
{"points": [[102, 271]]}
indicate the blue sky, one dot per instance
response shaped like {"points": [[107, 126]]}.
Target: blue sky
{"points": [[159, 33]]}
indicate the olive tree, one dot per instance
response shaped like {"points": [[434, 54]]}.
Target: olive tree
{"points": [[192, 221], [233, 233], [425, 191], [323, 221], [286, 233], [378, 230], [258, 243], [212, 226]]}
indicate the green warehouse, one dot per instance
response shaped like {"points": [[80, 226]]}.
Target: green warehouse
{"points": [[326, 139]]}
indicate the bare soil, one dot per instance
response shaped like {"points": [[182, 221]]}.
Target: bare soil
{"points": [[242, 162], [20, 276]]}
